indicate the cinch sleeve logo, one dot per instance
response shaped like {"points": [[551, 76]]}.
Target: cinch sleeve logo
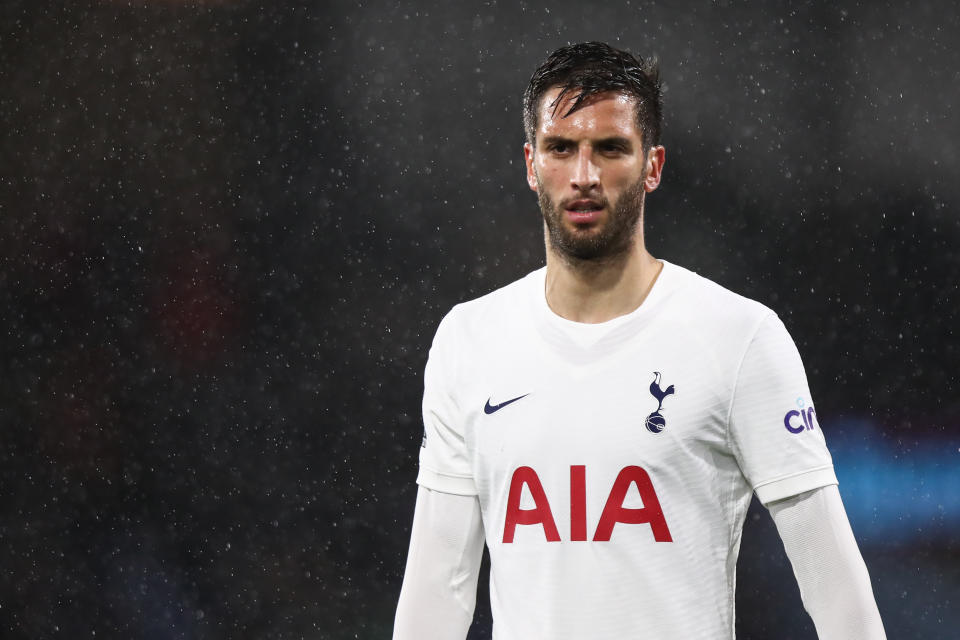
{"points": [[800, 419]]}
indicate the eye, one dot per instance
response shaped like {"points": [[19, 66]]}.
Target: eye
{"points": [[559, 147], [612, 148]]}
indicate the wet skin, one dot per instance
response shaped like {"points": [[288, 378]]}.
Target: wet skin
{"points": [[591, 174]]}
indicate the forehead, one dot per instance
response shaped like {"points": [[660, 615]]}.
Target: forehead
{"points": [[601, 115]]}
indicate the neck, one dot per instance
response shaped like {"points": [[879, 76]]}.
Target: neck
{"points": [[593, 291]]}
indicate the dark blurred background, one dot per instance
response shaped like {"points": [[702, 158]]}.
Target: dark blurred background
{"points": [[228, 231]]}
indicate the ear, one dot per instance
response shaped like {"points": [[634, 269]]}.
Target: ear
{"points": [[656, 157], [528, 159]]}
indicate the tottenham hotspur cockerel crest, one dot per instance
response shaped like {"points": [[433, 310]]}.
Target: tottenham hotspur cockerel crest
{"points": [[655, 421]]}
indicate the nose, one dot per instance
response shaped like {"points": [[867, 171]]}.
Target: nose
{"points": [[586, 174]]}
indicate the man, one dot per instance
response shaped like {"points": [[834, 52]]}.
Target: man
{"points": [[602, 423]]}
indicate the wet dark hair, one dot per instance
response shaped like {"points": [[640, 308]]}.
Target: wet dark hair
{"points": [[589, 68]]}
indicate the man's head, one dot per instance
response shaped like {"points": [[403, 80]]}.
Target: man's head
{"points": [[589, 154], [589, 68]]}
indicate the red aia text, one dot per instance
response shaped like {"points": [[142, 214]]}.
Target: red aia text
{"points": [[613, 510]]}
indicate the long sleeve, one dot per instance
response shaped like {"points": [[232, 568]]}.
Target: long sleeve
{"points": [[440, 582], [833, 580]]}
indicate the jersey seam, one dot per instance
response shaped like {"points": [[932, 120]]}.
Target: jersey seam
{"points": [[736, 379], [455, 373], [455, 364], [740, 511]]}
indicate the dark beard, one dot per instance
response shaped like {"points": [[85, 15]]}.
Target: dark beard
{"points": [[613, 240]]}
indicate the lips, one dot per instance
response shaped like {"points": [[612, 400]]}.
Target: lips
{"points": [[583, 211]]}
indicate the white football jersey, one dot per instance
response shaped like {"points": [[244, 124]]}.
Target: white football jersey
{"points": [[614, 463]]}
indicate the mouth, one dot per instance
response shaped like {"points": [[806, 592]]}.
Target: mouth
{"points": [[583, 211]]}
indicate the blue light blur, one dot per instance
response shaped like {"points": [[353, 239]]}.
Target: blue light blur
{"points": [[897, 490]]}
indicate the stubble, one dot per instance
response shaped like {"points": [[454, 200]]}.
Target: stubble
{"points": [[610, 242]]}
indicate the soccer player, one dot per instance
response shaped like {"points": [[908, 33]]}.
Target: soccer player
{"points": [[603, 422]]}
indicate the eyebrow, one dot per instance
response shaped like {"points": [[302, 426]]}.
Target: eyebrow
{"points": [[612, 140]]}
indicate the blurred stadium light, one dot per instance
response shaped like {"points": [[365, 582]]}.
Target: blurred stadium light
{"points": [[899, 490]]}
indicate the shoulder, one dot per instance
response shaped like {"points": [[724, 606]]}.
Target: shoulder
{"points": [[716, 309], [488, 312], [471, 329]]}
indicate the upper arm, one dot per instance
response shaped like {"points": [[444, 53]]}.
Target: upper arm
{"points": [[444, 458], [774, 429]]}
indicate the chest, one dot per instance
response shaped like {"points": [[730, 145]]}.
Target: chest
{"points": [[659, 403]]}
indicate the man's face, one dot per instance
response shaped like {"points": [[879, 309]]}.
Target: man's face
{"points": [[591, 175]]}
